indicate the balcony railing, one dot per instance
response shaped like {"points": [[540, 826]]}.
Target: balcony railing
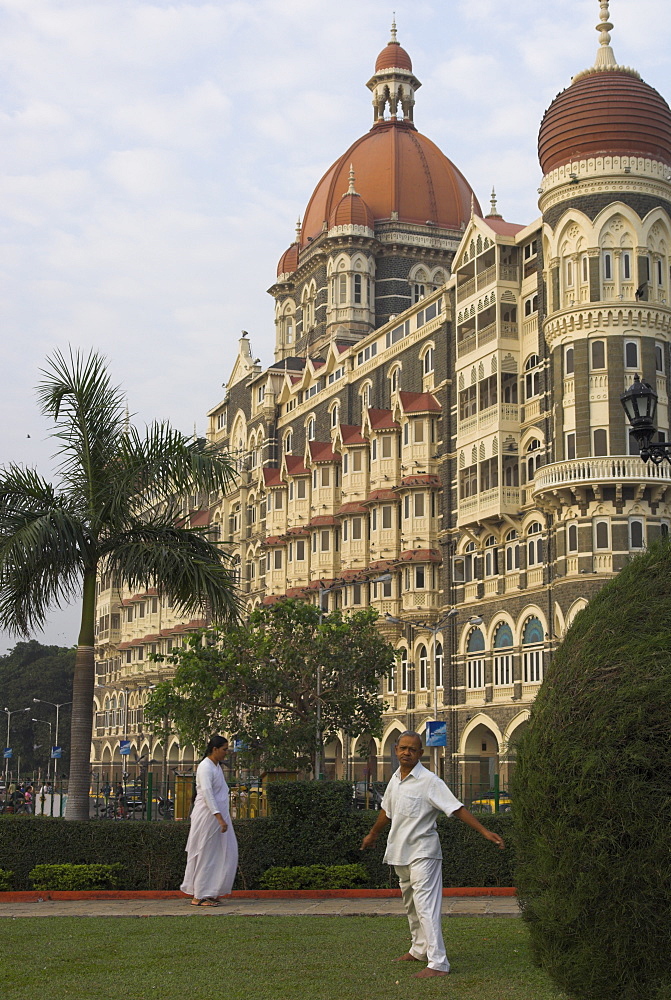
{"points": [[609, 469]]}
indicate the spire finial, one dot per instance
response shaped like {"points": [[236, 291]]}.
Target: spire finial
{"points": [[492, 201], [392, 40], [298, 230], [351, 189], [472, 205], [605, 57]]}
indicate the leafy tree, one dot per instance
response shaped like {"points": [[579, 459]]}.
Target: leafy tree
{"points": [[592, 793], [113, 507], [258, 681]]}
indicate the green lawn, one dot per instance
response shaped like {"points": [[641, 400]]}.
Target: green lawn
{"points": [[259, 958]]}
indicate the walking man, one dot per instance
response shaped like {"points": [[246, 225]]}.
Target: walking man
{"points": [[412, 801]]}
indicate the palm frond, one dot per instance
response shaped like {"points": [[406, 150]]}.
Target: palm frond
{"points": [[87, 409], [42, 550], [181, 563], [164, 463]]}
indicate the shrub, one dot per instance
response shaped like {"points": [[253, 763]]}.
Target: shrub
{"points": [[315, 877], [5, 880], [592, 795], [75, 877]]}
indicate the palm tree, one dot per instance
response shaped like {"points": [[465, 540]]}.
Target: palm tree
{"points": [[114, 507]]}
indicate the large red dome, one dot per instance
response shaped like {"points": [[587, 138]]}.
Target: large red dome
{"points": [[393, 57], [610, 112], [397, 170]]}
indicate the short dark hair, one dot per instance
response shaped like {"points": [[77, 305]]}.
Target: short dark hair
{"points": [[409, 732]]}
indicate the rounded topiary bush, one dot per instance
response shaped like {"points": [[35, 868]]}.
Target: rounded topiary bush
{"points": [[592, 795]]}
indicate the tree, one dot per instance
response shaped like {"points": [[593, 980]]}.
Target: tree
{"points": [[259, 681], [113, 507], [31, 670], [592, 794]]}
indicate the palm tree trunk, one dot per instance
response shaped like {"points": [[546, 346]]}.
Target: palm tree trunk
{"points": [[82, 706]]}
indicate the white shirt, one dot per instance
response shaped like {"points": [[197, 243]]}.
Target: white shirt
{"points": [[412, 805]]}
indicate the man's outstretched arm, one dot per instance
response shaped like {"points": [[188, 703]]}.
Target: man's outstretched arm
{"points": [[469, 819], [375, 830]]}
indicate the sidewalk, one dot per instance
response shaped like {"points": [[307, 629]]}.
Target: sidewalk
{"points": [[478, 906]]}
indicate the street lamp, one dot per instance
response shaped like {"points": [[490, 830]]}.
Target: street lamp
{"points": [[448, 619], [640, 405], [9, 714], [45, 722], [58, 707]]}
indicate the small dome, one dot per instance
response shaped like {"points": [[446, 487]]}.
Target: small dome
{"points": [[351, 210], [288, 262], [393, 57], [605, 112]]}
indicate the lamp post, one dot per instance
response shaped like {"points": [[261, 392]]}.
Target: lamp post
{"points": [[45, 722], [9, 714], [640, 405], [58, 707], [448, 619]]}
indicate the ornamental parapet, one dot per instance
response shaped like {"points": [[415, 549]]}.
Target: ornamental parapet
{"points": [[654, 317], [611, 470]]}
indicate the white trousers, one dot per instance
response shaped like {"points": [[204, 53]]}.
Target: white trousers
{"points": [[421, 885]]}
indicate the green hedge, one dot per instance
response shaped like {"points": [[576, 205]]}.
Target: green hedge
{"points": [[6, 880], [76, 877], [315, 877], [312, 823]]}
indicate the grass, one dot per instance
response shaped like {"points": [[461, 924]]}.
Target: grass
{"points": [[259, 958]]}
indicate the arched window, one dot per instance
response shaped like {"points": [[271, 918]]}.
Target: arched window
{"points": [[475, 664], [311, 429], [600, 441], [503, 661], [288, 442], [532, 378], [572, 537], [533, 458], [423, 668], [512, 551], [598, 354], [491, 557], [342, 289], [439, 664], [631, 354], [404, 669], [428, 361], [357, 289], [533, 635], [469, 563], [394, 379], [535, 544], [602, 535], [636, 533], [568, 361]]}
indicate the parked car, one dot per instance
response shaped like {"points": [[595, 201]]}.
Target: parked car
{"points": [[368, 795], [487, 803]]}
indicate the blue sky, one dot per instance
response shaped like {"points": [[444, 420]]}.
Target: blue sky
{"points": [[154, 158]]}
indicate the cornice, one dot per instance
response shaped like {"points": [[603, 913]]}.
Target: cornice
{"points": [[606, 316]]}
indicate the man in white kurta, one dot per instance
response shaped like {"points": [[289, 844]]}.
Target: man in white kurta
{"points": [[413, 799], [212, 847]]}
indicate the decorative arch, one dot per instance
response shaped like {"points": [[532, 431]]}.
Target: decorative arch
{"points": [[481, 719]]}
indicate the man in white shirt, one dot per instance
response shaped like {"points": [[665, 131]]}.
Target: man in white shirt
{"points": [[412, 801]]}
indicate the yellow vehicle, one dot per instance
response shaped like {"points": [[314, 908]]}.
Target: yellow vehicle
{"points": [[487, 803]]}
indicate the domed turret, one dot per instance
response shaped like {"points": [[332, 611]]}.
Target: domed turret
{"points": [[392, 55], [351, 210], [607, 110]]}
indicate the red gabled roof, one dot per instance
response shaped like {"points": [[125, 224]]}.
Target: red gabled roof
{"points": [[297, 592], [381, 566], [322, 520], [200, 518], [124, 645], [299, 529], [343, 347], [351, 508], [354, 575], [272, 540], [273, 598], [351, 434], [320, 584], [377, 495], [383, 420], [321, 451], [420, 555], [296, 466], [421, 479], [502, 227], [272, 477], [419, 402]]}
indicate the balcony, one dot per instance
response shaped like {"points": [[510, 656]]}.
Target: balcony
{"points": [[490, 503], [563, 483]]}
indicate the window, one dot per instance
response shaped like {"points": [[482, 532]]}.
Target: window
{"points": [[534, 458], [342, 289], [404, 670], [439, 664], [419, 505], [475, 664], [387, 442], [601, 535], [568, 361], [420, 577], [584, 269], [356, 593], [631, 354], [512, 551], [301, 489], [569, 273], [300, 550], [335, 415], [419, 291], [491, 557], [391, 680], [572, 537], [626, 266], [636, 533], [468, 402], [386, 516], [279, 500], [394, 379], [356, 528], [365, 397], [569, 445], [608, 267], [423, 668], [277, 559], [532, 658], [356, 461], [419, 431], [326, 476], [428, 361], [659, 357], [532, 378], [503, 662], [311, 429], [357, 289], [260, 394], [598, 354], [600, 442], [326, 541], [288, 442], [534, 544]]}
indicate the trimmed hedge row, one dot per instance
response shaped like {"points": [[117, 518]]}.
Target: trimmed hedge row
{"points": [[311, 823]]}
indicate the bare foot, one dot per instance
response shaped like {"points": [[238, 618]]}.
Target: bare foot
{"points": [[407, 958], [429, 973]]}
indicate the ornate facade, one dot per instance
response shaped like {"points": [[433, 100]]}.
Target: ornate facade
{"points": [[443, 412]]}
